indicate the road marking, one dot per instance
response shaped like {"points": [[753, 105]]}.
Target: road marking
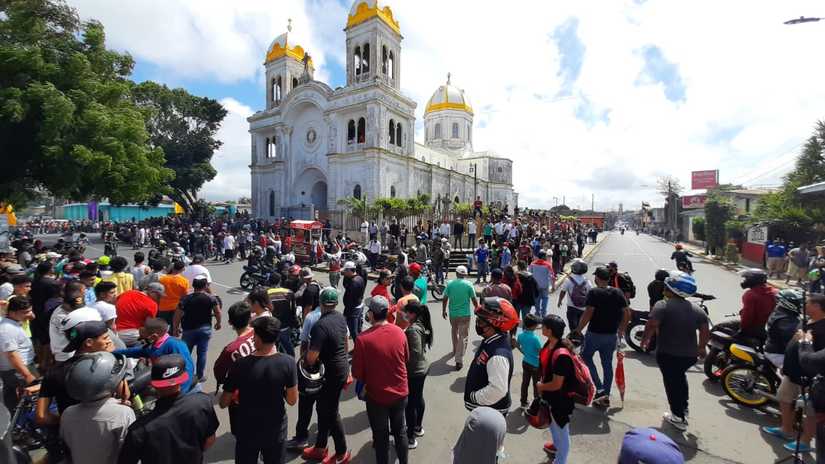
{"points": [[636, 242]]}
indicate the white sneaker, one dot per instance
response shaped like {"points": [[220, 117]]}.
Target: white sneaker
{"points": [[679, 422], [412, 444], [419, 432]]}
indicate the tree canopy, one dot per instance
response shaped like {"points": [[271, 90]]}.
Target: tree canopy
{"points": [[67, 123], [184, 126]]}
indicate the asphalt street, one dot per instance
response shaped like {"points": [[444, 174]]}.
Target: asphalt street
{"points": [[720, 431]]}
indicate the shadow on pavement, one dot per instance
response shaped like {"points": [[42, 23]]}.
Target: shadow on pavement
{"points": [[440, 366], [458, 385], [223, 449], [589, 421], [648, 360], [356, 423], [516, 423]]}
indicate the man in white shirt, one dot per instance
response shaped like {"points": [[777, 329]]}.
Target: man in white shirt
{"points": [[574, 292], [229, 247], [471, 232], [73, 303], [106, 294], [364, 230], [374, 250], [196, 269], [445, 229], [16, 350]]}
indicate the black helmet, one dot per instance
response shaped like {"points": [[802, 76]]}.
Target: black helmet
{"points": [[310, 378], [790, 300], [578, 266], [95, 376], [753, 277], [662, 274]]}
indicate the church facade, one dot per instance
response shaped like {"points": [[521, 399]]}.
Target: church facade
{"points": [[314, 145]]}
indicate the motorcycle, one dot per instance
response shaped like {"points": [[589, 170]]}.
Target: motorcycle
{"points": [[254, 276], [685, 266], [436, 289], [752, 380], [634, 333], [722, 336]]}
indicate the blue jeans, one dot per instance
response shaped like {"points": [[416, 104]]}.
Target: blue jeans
{"points": [[605, 345], [482, 271], [355, 320], [285, 345], [198, 337], [561, 438], [541, 302]]}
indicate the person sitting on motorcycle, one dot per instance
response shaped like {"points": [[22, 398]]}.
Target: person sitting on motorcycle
{"points": [[656, 288], [758, 303], [681, 256], [255, 259], [783, 324]]}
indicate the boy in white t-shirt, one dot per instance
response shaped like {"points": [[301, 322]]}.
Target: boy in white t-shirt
{"points": [[574, 290]]}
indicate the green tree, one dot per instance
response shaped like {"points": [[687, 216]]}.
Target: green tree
{"points": [[699, 228], [184, 126], [354, 206], [67, 124], [718, 211]]}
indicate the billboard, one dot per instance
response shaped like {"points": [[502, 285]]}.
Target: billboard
{"points": [[694, 201], [701, 180]]}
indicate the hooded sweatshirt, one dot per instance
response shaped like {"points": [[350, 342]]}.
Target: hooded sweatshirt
{"points": [[757, 306]]}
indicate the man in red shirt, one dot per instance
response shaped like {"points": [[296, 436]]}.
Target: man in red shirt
{"points": [[758, 302], [239, 315], [133, 307], [379, 361]]}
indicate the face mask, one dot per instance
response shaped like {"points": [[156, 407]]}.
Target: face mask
{"points": [[479, 330]]}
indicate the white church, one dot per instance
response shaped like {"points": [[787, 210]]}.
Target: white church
{"points": [[314, 145]]}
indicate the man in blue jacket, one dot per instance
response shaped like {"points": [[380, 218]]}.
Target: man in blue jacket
{"points": [[158, 342]]}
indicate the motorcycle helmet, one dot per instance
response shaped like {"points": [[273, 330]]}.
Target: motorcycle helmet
{"points": [[681, 283], [310, 378], [790, 300], [103, 260], [753, 277], [538, 414], [499, 313], [578, 266], [661, 275], [95, 376], [679, 246]]}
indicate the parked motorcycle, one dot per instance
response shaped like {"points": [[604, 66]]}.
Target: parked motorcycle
{"points": [[634, 333], [722, 336], [752, 380]]}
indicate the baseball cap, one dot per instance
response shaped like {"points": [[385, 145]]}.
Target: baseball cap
{"points": [[602, 273], [156, 287], [378, 304], [14, 269], [649, 446], [329, 296], [415, 268], [169, 370], [461, 270], [348, 266], [306, 273], [82, 331], [294, 269]]}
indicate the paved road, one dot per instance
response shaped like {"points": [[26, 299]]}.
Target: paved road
{"points": [[719, 431]]}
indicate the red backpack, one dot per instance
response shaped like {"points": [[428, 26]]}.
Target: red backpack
{"points": [[583, 389]]}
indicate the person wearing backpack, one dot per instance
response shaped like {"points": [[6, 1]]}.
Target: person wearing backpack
{"points": [[558, 380], [677, 320], [622, 281], [575, 288], [606, 318]]}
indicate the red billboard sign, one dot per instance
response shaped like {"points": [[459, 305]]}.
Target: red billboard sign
{"points": [[694, 201], [700, 180]]}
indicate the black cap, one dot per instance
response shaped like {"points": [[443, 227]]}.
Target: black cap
{"points": [[79, 333], [602, 273], [169, 370]]}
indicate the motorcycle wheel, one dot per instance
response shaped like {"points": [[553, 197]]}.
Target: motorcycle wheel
{"points": [[634, 334], [715, 363], [246, 281], [744, 383], [437, 292]]}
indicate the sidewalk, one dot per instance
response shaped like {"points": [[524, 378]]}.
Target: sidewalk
{"points": [[734, 267]]}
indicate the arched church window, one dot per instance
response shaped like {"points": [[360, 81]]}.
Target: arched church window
{"points": [[456, 199], [294, 82], [392, 191], [391, 67], [455, 130], [357, 60], [276, 89], [398, 134], [271, 203], [351, 131], [356, 192], [384, 60], [392, 132], [499, 170], [361, 130], [365, 57], [437, 134], [469, 133]]}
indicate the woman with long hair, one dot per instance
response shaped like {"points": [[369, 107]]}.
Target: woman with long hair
{"points": [[419, 340], [557, 373]]}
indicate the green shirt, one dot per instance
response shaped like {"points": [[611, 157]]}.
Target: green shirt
{"points": [[420, 289], [488, 229], [460, 293]]}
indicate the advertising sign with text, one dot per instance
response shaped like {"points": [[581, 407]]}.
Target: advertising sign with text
{"points": [[702, 180], [694, 201]]}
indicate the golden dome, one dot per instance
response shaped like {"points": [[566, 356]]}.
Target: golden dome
{"points": [[363, 10], [281, 47], [449, 97]]}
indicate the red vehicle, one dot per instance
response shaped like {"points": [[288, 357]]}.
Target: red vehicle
{"points": [[303, 233]]}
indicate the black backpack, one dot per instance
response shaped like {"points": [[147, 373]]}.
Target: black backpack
{"points": [[626, 284]]}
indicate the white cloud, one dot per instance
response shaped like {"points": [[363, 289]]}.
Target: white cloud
{"points": [[743, 71], [233, 158]]}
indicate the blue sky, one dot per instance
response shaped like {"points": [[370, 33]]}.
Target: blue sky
{"points": [[587, 98]]}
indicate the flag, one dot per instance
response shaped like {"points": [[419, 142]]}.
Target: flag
{"points": [[178, 208], [619, 374]]}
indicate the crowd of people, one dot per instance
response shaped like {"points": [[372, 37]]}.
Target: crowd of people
{"points": [[301, 342]]}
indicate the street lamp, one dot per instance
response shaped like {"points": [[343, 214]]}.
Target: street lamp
{"points": [[801, 20]]}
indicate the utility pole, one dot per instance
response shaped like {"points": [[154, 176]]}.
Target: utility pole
{"points": [[564, 200], [593, 202], [475, 182]]}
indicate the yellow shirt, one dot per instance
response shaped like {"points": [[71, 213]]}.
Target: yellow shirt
{"points": [[125, 281]]}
